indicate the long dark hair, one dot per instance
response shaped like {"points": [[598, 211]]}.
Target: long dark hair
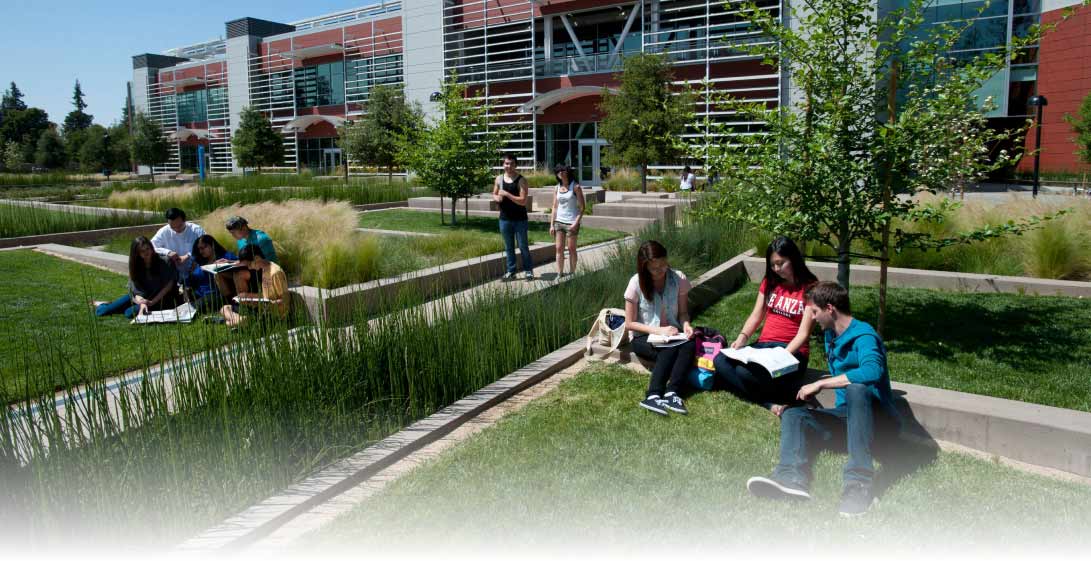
{"points": [[138, 273], [648, 251], [218, 250], [787, 249], [557, 173]]}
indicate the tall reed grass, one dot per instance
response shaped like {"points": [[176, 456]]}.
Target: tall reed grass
{"points": [[159, 199], [16, 221], [268, 411], [39, 179]]}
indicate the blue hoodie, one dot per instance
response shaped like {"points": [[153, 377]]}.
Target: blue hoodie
{"points": [[860, 355]]}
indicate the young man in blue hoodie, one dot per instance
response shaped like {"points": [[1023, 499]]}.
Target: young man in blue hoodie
{"points": [[858, 375]]}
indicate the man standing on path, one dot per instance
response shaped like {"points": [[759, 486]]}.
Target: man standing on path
{"points": [[510, 191], [175, 241], [858, 374]]}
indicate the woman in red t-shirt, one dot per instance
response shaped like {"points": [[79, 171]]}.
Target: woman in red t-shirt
{"points": [[787, 324]]}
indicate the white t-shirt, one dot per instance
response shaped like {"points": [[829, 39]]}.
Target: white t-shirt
{"points": [[167, 240], [632, 294], [687, 182]]}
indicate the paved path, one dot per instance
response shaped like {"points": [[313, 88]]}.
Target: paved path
{"points": [[592, 257]]}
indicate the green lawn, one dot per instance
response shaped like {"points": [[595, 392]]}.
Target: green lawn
{"points": [[584, 466], [1027, 348], [418, 221], [47, 320]]}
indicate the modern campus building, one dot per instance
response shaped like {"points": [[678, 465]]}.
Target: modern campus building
{"points": [[542, 65]]}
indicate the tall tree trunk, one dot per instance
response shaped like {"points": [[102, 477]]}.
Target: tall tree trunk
{"points": [[843, 244], [643, 178], [390, 174], [441, 211], [345, 162], [466, 208], [454, 210], [891, 106]]}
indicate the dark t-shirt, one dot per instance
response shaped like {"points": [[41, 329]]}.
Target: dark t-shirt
{"points": [[508, 209]]}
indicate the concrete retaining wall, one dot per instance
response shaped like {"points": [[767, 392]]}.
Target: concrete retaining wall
{"points": [[84, 237], [486, 204], [380, 206], [616, 223], [91, 210], [665, 213], [941, 280]]}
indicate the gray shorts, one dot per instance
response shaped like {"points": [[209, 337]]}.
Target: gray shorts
{"points": [[563, 227]]}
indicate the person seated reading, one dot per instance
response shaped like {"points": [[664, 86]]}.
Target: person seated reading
{"points": [[273, 300], [207, 296], [245, 280], [152, 284]]}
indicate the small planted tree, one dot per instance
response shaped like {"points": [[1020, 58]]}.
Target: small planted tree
{"points": [[149, 146], [454, 155], [644, 120], [256, 144], [883, 115], [376, 138], [50, 152], [1081, 125]]}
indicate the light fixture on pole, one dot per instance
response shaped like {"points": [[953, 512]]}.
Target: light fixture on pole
{"points": [[1038, 101]]}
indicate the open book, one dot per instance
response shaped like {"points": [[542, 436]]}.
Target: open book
{"points": [[667, 340], [182, 314], [217, 268], [249, 300], [777, 360]]}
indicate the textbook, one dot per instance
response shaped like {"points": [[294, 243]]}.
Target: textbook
{"points": [[667, 340], [217, 268], [252, 300], [182, 314], [777, 360]]}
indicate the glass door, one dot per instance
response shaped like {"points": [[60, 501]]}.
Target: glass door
{"points": [[331, 160], [590, 162]]}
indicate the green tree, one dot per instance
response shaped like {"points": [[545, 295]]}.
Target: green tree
{"points": [[13, 156], [884, 113], [454, 155], [256, 144], [12, 100], [1081, 125], [644, 120], [375, 139], [120, 147], [94, 155], [149, 146], [77, 120], [50, 152]]}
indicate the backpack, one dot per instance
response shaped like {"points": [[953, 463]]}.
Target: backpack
{"points": [[709, 344], [608, 330]]}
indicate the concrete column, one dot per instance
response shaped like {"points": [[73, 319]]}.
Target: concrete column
{"points": [[422, 30], [239, 51]]}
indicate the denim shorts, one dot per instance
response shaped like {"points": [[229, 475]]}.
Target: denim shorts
{"points": [[563, 227]]}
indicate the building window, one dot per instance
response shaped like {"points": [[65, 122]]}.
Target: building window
{"points": [[322, 84], [312, 152], [559, 144], [192, 107], [363, 73]]}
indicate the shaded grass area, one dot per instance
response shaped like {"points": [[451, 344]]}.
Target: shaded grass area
{"points": [[52, 338], [429, 222], [1027, 348], [583, 467], [16, 221]]}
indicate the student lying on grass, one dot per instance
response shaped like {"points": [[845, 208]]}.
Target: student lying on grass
{"points": [[786, 324], [864, 406], [274, 298], [152, 284]]}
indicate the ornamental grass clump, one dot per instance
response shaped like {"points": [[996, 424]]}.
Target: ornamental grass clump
{"points": [[317, 243], [158, 200], [17, 221]]}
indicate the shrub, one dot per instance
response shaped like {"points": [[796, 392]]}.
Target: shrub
{"points": [[540, 178]]}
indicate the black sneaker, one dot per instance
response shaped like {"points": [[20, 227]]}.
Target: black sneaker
{"points": [[773, 488], [655, 404], [509, 276], [675, 403], [856, 499], [528, 275]]}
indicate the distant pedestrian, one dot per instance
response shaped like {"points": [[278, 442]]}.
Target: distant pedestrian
{"points": [[688, 180], [564, 219], [511, 190]]}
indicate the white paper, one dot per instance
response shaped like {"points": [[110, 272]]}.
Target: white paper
{"points": [[182, 314], [667, 340], [777, 360]]}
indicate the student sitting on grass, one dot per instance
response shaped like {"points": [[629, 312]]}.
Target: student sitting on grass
{"points": [[175, 241], [274, 288], [858, 370], [152, 284], [206, 251], [656, 304], [245, 280], [786, 324]]}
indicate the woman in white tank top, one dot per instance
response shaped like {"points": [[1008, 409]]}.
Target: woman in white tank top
{"points": [[564, 220]]}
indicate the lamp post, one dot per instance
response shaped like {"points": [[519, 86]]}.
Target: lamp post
{"points": [[106, 155], [1038, 101]]}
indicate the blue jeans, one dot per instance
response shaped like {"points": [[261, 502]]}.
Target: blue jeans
{"points": [[123, 305], [516, 231], [803, 430], [751, 382]]}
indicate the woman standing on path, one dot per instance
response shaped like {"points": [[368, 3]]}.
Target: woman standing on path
{"points": [[564, 219], [656, 303]]}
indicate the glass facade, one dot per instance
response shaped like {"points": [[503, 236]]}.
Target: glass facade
{"points": [[597, 32], [991, 27], [196, 106], [312, 152], [363, 73], [321, 84], [560, 143]]}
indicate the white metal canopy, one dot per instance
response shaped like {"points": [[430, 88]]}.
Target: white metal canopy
{"points": [[300, 124], [546, 100], [185, 134]]}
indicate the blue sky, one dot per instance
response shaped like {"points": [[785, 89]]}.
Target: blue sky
{"points": [[46, 45]]}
